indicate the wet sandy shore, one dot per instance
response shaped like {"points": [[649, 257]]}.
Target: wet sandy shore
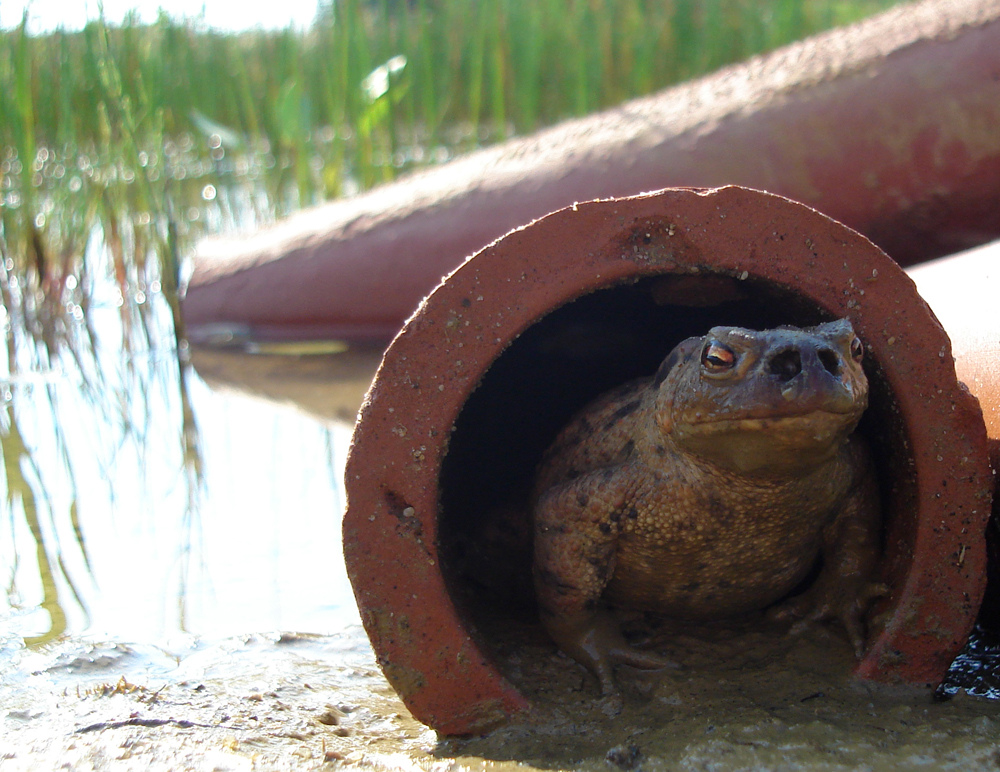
{"points": [[741, 700]]}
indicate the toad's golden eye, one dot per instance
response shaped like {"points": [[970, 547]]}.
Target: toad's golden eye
{"points": [[717, 358], [857, 349]]}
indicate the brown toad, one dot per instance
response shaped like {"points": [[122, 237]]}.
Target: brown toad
{"points": [[710, 491]]}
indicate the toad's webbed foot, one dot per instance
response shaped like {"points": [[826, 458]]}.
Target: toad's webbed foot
{"points": [[594, 640], [850, 609]]}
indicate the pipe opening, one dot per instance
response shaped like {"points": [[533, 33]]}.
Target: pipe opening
{"points": [[555, 367]]}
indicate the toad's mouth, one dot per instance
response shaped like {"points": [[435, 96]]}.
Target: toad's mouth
{"points": [[751, 421], [801, 428]]}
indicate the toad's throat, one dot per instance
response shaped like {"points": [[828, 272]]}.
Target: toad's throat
{"points": [[775, 446]]}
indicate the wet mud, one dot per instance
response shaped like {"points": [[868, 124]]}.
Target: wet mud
{"points": [[749, 697], [259, 702], [744, 696]]}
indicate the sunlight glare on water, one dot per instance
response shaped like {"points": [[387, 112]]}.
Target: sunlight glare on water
{"points": [[262, 550], [126, 531]]}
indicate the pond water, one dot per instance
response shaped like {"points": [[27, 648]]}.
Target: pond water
{"points": [[145, 505]]}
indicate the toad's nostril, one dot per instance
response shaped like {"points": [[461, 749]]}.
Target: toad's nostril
{"points": [[786, 364], [830, 361]]}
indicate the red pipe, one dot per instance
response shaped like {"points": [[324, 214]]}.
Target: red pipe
{"points": [[464, 395], [963, 292]]}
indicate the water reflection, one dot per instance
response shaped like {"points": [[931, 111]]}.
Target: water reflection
{"points": [[262, 552], [143, 504], [329, 386]]}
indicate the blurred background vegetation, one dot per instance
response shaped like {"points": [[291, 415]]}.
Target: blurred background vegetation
{"points": [[121, 144]]}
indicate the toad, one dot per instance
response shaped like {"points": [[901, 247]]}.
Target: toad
{"points": [[712, 490]]}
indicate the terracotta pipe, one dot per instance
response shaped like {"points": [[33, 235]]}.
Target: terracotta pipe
{"points": [[963, 292], [889, 126], [522, 334]]}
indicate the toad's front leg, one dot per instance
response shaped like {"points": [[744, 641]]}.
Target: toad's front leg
{"points": [[577, 526], [845, 588]]}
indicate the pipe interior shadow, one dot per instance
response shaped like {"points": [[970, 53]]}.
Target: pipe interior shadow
{"points": [[554, 368]]}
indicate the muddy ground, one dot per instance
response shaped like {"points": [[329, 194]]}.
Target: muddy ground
{"points": [[741, 700]]}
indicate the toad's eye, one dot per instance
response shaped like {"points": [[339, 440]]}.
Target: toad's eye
{"points": [[857, 349], [716, 358]]}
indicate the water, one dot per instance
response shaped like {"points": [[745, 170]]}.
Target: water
{"points": [[145, 506]]}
